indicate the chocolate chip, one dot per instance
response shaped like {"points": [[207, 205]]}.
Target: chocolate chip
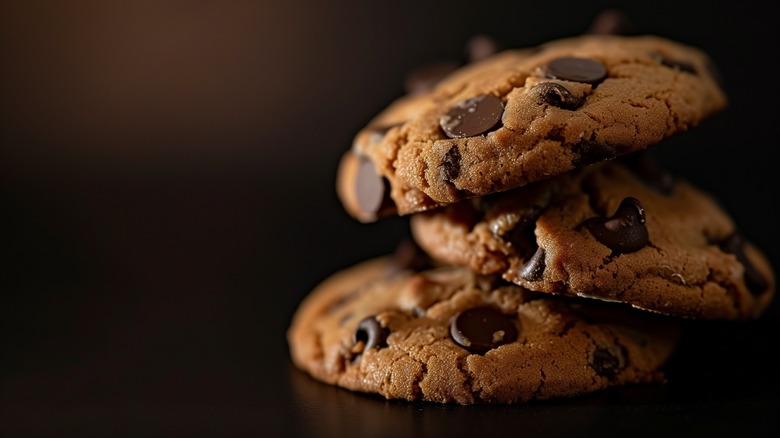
{"points": [[625, 231], [555, 134], [557, 95], [450, 165], [534, 268], [521, 236], [481, 329], [604, 362], [571, 68], [371, 333], [589, 152], [370, 188], [677, 65], [735, 244], [472, 117]]}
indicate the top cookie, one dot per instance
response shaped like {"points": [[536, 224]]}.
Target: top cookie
{"points": [[525, 115]]}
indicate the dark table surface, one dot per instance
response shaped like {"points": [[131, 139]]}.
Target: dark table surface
{"points": [[167, 171]]}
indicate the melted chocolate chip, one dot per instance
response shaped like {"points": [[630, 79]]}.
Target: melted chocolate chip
{"points": [[371, 192], [677, 65], [534, 268], [625, 231], [571, 68], [605, 363], [521, 236], [735, 244], [589, 152], [371, 333], [557, 95], [472, 117], [481, 329], [450, 166]]}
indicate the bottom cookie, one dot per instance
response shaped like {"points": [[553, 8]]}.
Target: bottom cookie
{"points": [[449, 335]]}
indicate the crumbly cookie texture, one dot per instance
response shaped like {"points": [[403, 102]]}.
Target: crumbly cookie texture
{"points": [[524, 115], [621, 230], [449, 335]]}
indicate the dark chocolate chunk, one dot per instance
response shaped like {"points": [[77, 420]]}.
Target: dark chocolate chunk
{"points": [[370, 188], [557, 95], [471, 117], [604, 362], [450, 166], [572, 68], [735, 244], [482, 328], [589, 152], [371, 333], [675, 64], [521, 236], [534, 268], [625, 231], [555, 134]]}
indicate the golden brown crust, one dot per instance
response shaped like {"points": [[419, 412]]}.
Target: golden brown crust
{"points": [[684, 268], [653, 89], [562, 347]]}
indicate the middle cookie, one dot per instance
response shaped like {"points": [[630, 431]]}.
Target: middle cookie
{"points": [[618, 231]]}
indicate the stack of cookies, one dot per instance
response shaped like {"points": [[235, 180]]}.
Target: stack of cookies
{"points": [[549, 256]]}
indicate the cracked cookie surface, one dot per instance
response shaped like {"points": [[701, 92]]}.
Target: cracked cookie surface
{"points": [[449, 335], [622, 230], [524, 115]]}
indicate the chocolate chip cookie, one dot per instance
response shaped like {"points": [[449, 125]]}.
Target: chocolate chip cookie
{"points": [[524, 115], [620, 230], [449, 335]]}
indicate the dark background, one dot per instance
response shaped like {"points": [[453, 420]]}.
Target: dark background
{"points": [[167, 173]]}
